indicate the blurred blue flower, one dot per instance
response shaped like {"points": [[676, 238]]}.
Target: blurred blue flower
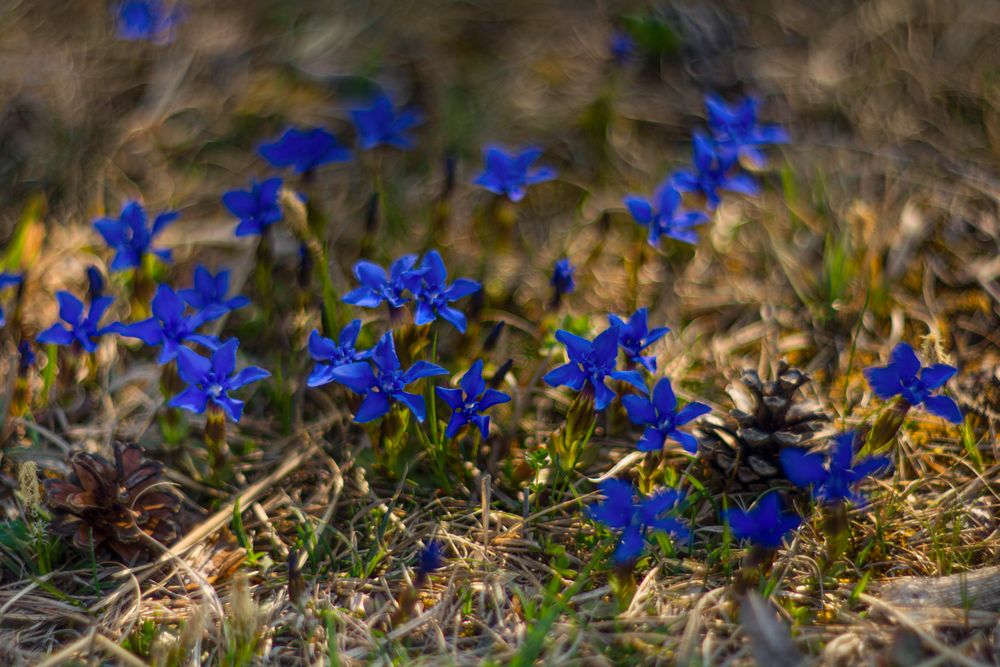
{"points": [[26, 357], [130, 238], [766, 524], [381, 390], [8, 280], [624, 509], [635, 336], [662, 419], [257, 208], [622, 47], [904, 377], [511, 174], [592, 362], [330, 354], [95, 283], [145, 20], [428, 283], [713, 171], [431, 559], [663, 216], [211, 290], [304, 150], [562, 277], [736, 131], [380, 124], [213, 379], [468, 403], [169, 328], [81, 331], [832, 478], [377, 287]]}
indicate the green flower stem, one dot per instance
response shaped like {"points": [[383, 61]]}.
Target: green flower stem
{"points": [[883, 433], [215, 440]]}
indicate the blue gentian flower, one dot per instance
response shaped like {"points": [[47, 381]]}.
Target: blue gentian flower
{"points": [[304, 150], [213, 379], [169, 328], [431, 559], [380, 124], [562, 277], [832, 480], [713, 170], [26, 357], [330, 354], [511, 174], [377, 287], [257, 208], [81, 331], [428, 283], [8, 280], [635, 336], [766, 524], [592, 362], [662, 418], [211, 290], [388, 387], [622, 47], [130, 238], [468, 403], [664, 217], [736, 131], [95, 283], [625, 510], [904, 377], [145, 20]]}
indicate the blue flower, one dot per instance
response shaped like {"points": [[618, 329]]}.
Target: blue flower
{"points": [[304, 150], [213, 379], [428, 283], [663, 216], [388, 387], [736, 131], [634, 336], [562, 277], [468, 403], [904, 377], [130, 238], [713, 170], [330, 354], [377, 287], [766, 524], [211, 290], [431, 559], [592, 362], [26, 357], [622, 47], [169, 328], [511, 175], [380, 124], [257, 208], [831, 480], [662, 419], [145, 20], [8, 280], [81, 331], [625, 510]]}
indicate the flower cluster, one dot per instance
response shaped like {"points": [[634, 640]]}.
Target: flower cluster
{"points": [[625, 510]]}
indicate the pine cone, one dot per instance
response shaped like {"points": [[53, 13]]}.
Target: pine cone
{"points": [[106, 506]]}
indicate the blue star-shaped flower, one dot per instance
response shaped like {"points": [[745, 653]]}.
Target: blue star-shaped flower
{"points": [[211, 380], [130, 238], [388, 387], [511, 174], [904, 377], [663, 216], [82, 331], [713, 170], [8, 280], [304, 150], [468, 403], [169, 328], [380, 124], [562, 277], [592, 362], [257, 208], [736, 131], [624, 509], [377, 287], [211, 290], [832, 480], [430, 288], [635, 336], [145, 20], [330, 354], [766, 524], [662, 419]]}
